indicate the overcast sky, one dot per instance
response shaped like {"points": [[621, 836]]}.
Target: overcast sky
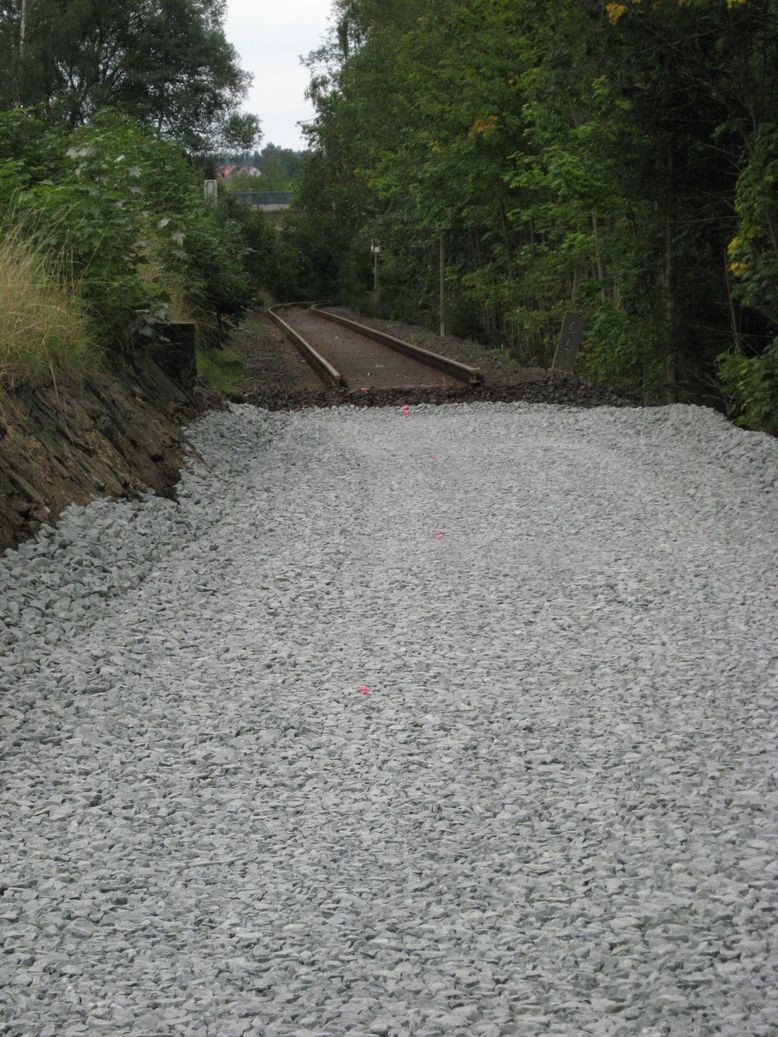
{"points": [[270, 38]]}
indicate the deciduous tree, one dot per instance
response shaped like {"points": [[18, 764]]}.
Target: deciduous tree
{"points": [[165, 62]]}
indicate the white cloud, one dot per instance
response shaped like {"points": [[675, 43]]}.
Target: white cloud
{"points": [[270, 39]]}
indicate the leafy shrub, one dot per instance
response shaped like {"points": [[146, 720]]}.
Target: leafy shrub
{"points": [[751, 384], [127, 210], [619, 352], [24, 154], [753, 252], [258, 240], [217, 286]]}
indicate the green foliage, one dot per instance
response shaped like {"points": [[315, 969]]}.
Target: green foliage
{"points": [[585, 156], [258, 240], [313, 239], [753, 252], [126, 209], [167, 64], [751, 384], [243, 181], [619, 354], [217, 285], [280, 169], [23, 152], [222, 369], [43, 327]]}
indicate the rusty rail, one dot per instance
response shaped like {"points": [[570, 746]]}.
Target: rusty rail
{"points": [[322, 367], [443, 363]]}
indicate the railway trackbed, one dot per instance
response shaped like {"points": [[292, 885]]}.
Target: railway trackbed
{"points": [[350, 355]]}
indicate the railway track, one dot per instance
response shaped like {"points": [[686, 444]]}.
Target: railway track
{"points": [[350, 355]]}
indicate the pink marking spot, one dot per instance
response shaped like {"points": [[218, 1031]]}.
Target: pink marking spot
{"points": [[439, 536], [363, 689], [364, 388], [406, 410], [434, 457]]}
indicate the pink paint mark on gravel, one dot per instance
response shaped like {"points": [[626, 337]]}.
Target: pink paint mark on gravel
{"points": [[406, 410], [434, 457], [363, 689], [439, 536]]}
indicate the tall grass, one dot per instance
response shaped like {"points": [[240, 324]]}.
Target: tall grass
{"points": [[43, 328]]}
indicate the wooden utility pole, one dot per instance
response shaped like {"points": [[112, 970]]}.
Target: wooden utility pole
{"points": [[442, 283], [671, 357], [23, 27]]}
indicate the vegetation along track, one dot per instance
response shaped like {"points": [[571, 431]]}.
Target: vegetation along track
{"points": [[347, 354]]}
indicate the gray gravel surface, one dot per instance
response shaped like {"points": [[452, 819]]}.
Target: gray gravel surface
{"points": [[461, 722]]}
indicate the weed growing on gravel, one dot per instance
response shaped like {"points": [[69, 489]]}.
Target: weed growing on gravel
{"points": [[43, 327], [222, 369]]}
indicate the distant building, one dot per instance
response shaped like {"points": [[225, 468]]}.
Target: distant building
{"points": [[230, 172]]}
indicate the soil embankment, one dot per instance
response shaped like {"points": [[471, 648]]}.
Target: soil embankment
{"points": [[120, 434], [114, 434]]}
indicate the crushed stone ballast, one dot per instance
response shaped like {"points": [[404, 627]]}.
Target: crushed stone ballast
{"points": [[417, 721]]}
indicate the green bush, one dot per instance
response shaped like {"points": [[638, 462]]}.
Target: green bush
{"points": [[751, 385], [258, 239], [24, 153], [218, 288], [619, 353], [126, 208]]}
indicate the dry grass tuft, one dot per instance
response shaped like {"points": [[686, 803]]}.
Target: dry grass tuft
{"points": [[43, 328]]}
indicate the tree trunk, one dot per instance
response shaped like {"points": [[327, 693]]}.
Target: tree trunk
{"points": [[671, 356], [732, 312], [598, 258]]}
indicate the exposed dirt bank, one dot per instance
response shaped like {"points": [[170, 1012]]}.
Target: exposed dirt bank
{"points": [[112, 435], [120, 434]]}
